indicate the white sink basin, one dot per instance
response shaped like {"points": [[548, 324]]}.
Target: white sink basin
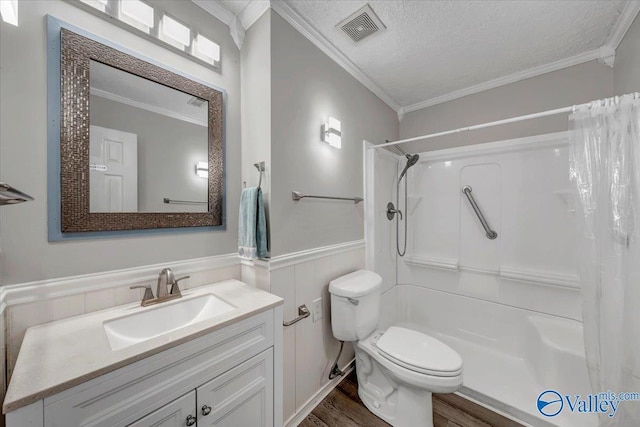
{"points": [[158, 320]]}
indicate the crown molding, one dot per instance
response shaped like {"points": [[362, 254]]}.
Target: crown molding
{"points": [[216, 9], [252, 12], [314, 36], [591, 55], [622, 24], [144, 106], [605, 55]]}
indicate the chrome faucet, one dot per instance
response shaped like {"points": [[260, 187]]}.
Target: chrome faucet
{"points": [[165, 278]]}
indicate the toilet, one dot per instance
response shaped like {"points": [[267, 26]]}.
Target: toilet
{"points": [[398, 368]]}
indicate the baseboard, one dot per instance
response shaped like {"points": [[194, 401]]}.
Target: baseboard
{"points": [[309, 406]]}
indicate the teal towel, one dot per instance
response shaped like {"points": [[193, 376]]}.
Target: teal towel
{"points": [[252, 225]]}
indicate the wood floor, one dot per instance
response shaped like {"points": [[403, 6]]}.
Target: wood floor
{"points": [[343, 408]]}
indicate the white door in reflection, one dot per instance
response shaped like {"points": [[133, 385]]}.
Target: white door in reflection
{"points": [[113, 175]]}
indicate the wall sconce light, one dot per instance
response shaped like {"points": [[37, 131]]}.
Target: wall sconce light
{"points": [[9, 11], [202, 169], [331, 133]]}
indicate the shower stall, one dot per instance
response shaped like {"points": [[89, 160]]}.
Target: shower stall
{"points": [[490, 266]]}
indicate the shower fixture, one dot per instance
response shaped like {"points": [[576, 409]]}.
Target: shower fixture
{"points": [[412, 159]]}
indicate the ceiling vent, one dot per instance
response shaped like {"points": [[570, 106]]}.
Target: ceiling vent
{"points": [[360, 25], [196, 102]]}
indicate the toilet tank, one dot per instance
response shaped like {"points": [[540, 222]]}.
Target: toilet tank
{"points": [[355, 304]]}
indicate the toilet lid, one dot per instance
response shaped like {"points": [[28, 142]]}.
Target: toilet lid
{"points": [[419, 352]]}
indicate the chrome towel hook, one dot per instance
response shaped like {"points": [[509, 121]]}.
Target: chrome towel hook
{"points": [[260, 167]]}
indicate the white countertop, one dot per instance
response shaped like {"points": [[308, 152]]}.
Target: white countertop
{"points": [[59, 355]]}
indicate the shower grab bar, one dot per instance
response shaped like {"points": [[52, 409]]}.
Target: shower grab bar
{"points": [[303, 313], [490, 233], [296, 195]]}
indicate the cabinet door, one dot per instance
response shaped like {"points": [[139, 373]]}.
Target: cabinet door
{"points": [[179, 413], [242, 396]]}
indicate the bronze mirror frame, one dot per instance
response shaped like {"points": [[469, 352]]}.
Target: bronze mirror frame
{"points": [[76, 52]]}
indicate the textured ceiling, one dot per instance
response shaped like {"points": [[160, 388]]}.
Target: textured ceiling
{"points": [[432, 48]]}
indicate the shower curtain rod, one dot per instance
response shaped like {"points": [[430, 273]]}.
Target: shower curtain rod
{"points": [[505, 121]]}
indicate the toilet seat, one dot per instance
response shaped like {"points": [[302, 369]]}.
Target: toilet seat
{"points": [[419, 352]]}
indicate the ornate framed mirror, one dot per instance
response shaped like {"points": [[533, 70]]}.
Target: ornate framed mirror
{"points": [[140, 146]]}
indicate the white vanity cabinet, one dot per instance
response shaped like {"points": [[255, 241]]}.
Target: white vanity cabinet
{"points": [[227, 377], [240, 397], [180, 412]]}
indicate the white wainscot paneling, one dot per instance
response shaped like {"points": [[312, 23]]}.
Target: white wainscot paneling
{"points": [[309, 347], [283, 285]]}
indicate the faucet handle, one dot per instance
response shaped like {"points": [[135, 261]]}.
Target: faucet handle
{"points": [[175, 289], [148, 293]]}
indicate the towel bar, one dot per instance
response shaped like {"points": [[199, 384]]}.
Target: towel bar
{"points": [[183, 202], [297, 195]]}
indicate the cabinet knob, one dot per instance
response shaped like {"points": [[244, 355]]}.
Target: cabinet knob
{"points": [[191, 420], [206, 410]]}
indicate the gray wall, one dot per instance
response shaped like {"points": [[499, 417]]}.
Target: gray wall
{"points": [[26, 254], [306, 88], [256, 105], [168, 150], [626, 73], [573, 85]]}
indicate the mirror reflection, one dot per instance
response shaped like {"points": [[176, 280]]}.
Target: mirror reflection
{"points": [[148, 145]]}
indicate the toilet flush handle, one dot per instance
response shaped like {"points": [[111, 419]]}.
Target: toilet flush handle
{"points": [[353, 301]]}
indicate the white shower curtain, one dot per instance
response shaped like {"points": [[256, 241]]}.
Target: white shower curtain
{"points": [[605, 167]]}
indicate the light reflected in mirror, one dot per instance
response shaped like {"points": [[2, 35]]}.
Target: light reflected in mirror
{"points": [[146, 143]]}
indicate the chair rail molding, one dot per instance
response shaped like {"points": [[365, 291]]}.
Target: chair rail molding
{"points": [[65, 286], [293, 258], [46, 289]]}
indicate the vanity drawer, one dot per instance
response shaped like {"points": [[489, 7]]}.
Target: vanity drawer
{"points": [[123, 396]]}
